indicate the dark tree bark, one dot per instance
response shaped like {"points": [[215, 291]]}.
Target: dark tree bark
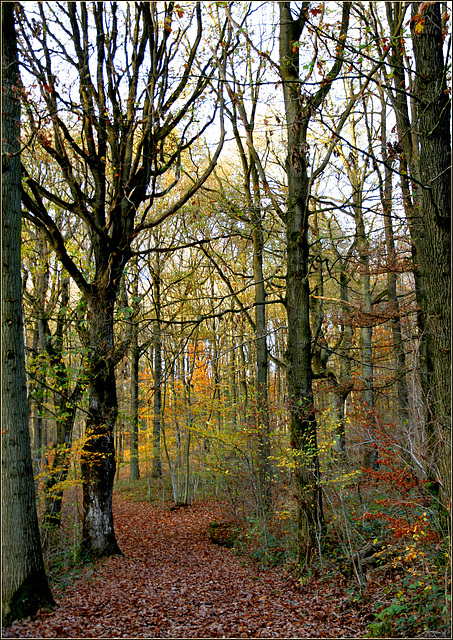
{"points": [[98, 453], [24, 582], [403, 100], [299, 348], [434, 115]]}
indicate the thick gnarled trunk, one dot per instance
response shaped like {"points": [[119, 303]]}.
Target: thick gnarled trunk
{"points": [[98, 453]]}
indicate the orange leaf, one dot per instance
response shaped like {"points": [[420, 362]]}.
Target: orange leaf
{"points": [[419, 26]]}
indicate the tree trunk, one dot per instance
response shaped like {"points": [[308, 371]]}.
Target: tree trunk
{"points": [[157, 374], [298, 112], [242, 373], [262, 407], [409, 162], [134, 469], [345, 382], [232, 387], [38, 361], [135, 358], [298, 356], [24, 582], [366, 330], [435, 207], [215, 363], [37, 409], [58, 473], [98, 452]]}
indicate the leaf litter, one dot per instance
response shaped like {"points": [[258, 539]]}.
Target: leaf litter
{"points": [[173, 582]]}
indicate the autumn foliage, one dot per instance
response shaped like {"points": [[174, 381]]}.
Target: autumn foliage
{"points": [[234, 278]]}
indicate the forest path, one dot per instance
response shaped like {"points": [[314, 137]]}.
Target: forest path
{"points": [[173, 582]]}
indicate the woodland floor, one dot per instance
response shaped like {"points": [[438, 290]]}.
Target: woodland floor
{"points": [[173, 582]]}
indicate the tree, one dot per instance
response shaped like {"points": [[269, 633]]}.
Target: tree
{"points": [[298, 112], [433, 119], [24, 582], [402, 98], [135, 361], [420, 100], [157, 369], [112, 140], [37, 391]]}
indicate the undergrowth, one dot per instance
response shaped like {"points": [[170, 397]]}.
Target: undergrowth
{"points": [[385, 535]]}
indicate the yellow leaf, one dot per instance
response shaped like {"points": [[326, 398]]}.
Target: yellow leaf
{"points": [[419, 27]]}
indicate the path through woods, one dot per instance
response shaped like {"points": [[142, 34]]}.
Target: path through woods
{"points": [[175, 583]]}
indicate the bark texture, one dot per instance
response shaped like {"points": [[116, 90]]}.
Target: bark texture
{"points": [[433, 114], [98, 453], [24, 582], [429, 105]]}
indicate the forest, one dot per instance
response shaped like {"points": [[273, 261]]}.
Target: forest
{"points": [[226, 319]]}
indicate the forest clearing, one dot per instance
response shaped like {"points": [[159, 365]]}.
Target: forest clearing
{"points": [[226, 319]]}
